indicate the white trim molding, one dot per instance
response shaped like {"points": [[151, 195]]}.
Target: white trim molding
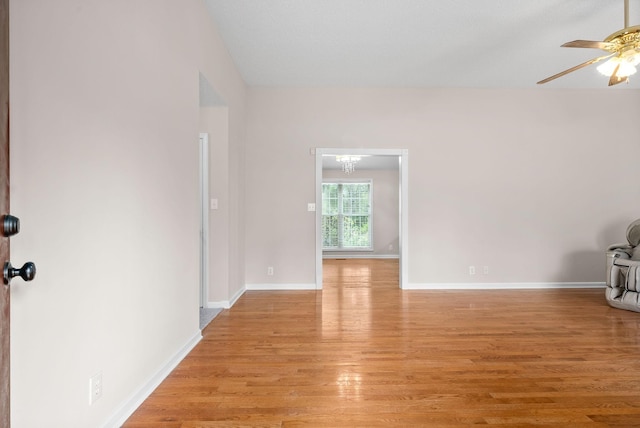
{"points": [[361, 256], [236, 296], [276, 287], [502, 285], [204, 218], [226, 304], [222, 304], [130, 405]]}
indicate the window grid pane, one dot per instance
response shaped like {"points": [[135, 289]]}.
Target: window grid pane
{"points": [[330, 231], [330, 199], [355, 232]]}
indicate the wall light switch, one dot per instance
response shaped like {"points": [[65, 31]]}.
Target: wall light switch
{"points": [[95, 387], [214, 204], [311, 207]]}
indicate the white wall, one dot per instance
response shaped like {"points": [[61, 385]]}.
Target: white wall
{"points": [[385, 213], [104, 176], [532, 183]]}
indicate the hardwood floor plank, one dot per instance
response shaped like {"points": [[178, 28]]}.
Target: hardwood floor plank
{"points": [[361, 352]]}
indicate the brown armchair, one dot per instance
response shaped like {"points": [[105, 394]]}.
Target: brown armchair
{"points": [[623, 271]]}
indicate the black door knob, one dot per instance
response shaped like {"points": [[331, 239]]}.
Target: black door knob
{"points": [[26, 272]]}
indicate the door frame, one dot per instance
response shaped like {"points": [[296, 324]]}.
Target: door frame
{"points": [[5, 294], [403, 246], [204, 219]]}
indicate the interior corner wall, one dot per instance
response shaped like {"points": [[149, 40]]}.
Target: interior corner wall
{"points": [[104, 177], [237, 208], [218, 68], [385, 213], [529, 182]]}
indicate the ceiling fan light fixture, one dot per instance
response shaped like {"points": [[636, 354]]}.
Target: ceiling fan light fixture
{"points": [[623, 49], [627, 65]]}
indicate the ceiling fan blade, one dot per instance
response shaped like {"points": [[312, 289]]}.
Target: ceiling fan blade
{"points": [[605, 46], [577, 67], [615, 79], [620, 80]]}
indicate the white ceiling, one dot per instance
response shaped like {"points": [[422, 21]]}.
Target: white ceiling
{"points": [[417, 43]]}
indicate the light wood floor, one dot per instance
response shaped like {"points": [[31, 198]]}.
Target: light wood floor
{"points": [[363, 353]]}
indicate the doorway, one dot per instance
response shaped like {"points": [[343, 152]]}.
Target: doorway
{"points": [[402, 158], [214, 184]]}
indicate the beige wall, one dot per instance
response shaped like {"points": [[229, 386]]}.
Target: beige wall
{"points": [[532, 183], [104, 176]]}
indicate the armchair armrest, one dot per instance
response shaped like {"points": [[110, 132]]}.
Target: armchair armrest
{"points": [[617, 256], [616, 251], [625, 262], [621, 247]]}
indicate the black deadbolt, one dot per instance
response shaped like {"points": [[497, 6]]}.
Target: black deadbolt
{"points": [[10, 225]]}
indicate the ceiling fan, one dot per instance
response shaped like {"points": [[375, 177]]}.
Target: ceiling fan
{"points": [[623, 49]]}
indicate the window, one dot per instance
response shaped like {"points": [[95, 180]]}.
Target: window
{"points": [[346, 215]]}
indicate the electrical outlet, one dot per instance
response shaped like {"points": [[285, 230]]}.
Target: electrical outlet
{"points": [[270, 270], [472, 270], [485, 270], [95, 387]]}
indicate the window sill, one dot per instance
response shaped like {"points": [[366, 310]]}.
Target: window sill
{"points": [[347, 250]]}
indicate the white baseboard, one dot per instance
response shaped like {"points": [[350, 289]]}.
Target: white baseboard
{"points": [[360, 256], [502, 285], [222, 304], [226, 304], [137, 398], [236, 296], [275, 287]]}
